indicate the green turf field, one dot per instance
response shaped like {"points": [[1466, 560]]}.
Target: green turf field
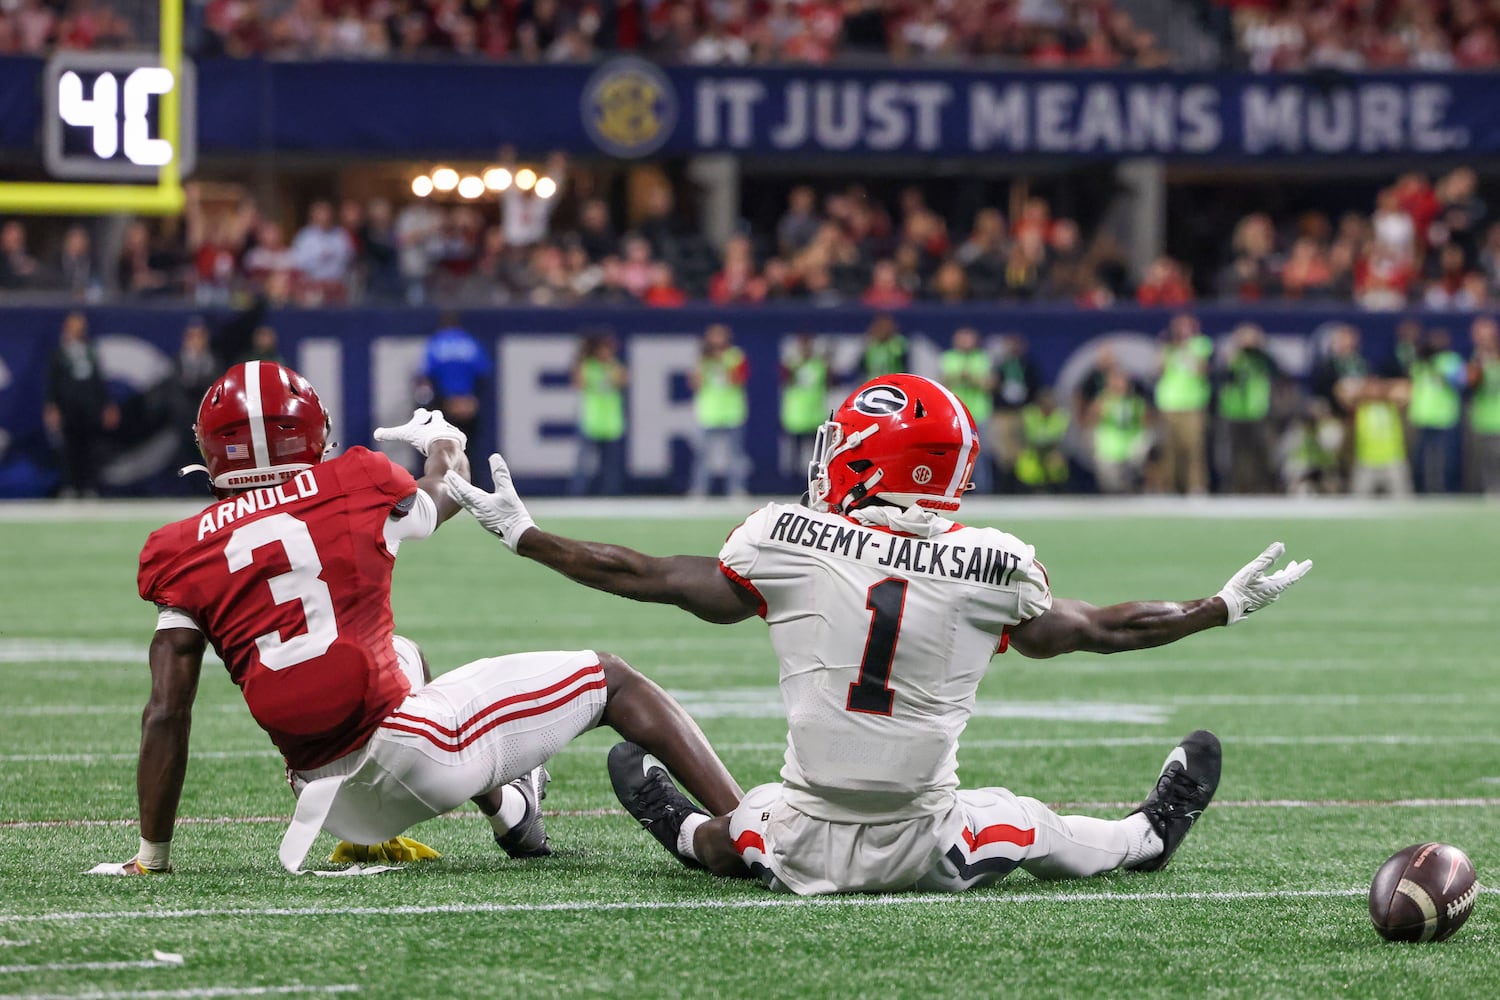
{"points": [[1373, 682]]}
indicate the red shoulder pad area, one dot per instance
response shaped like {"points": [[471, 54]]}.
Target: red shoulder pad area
{"points": [[378, 470], [156, 555]]}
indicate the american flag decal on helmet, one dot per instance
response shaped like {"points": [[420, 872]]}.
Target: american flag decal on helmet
{"points": [[236, 452]]}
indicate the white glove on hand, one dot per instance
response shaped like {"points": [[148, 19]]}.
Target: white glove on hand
{"points": [[424, 427], [1251, 589], [502, 513]]}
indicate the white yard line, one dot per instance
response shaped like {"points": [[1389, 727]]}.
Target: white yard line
{"points": [[1471, 802], [144, 963], [758, 903], [187, 994]]}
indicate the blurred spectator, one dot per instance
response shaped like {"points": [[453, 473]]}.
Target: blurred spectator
{"points": [[194, 369], [1017, 382], [418, 226], [1117, 416], [594, 229], [264, 346], [1342, 361], [805, 375], [1252, 274], [663, 292], [455, 369], [18, 269], [1309, 451], [1166, 285], [1245, 389], [269, 258], [1379, 444], [379, 252], [144, 269], [79, 413], [800, 223], [885, 291], [1182, 397], [1042, 465], [600, 379], [968, 371], [1307, 274], [322, 253], [737, 282], [1435, 409], [885, 352], [1484, 411], [76, 272], [720, 404]]}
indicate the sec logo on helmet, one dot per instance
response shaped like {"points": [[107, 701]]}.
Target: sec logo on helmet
{"points": [[880, 400], [629, 107]]}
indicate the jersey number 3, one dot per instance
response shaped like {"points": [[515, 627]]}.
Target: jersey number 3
{"points": [[302, 582], [872, 693]]}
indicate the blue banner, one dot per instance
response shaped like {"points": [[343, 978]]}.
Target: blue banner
{"points": [[627, 107], [363, 363]]}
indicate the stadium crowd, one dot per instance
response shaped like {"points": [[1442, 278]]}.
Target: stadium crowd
{"points": [[1427, 243]]}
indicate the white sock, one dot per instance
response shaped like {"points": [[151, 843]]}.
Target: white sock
{"points": [[512, 810], [1144, 843], [685, 835]]}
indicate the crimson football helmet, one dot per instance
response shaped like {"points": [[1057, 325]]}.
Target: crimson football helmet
{"points": [[259, 425], [903, 438]]}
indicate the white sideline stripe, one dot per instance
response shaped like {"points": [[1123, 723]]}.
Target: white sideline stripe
{"points": [[186, 994], [144, 963], [1060, 743], [760, 903], [1471, 802]]}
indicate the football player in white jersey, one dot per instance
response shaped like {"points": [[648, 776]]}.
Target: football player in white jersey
{"points": [[885, 615]]}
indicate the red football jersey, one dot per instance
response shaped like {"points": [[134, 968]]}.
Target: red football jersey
{"points": [[292, 586]]}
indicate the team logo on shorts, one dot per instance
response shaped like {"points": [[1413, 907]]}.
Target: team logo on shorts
{"points": [[921, 475], [880, 401], [629, 107]]}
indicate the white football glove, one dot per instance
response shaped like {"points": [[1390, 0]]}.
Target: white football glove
{"points": [[424, 427], [1251, 589], [502, 513]]}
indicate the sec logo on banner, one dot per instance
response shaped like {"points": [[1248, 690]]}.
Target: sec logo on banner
{"points": [[629, 107]]}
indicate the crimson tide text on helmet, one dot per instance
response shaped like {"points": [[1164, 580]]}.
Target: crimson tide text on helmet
{"points": [[259, 425], [902, 438]]}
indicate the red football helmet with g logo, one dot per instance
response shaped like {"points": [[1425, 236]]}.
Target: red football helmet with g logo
{"points": [[903, 438], [259, 425]]}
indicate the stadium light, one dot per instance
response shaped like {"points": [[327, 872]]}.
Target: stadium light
{"points": [[445, 178], [525, 178], [421, 186], [497, 178], [470, 187], [546, 187]]}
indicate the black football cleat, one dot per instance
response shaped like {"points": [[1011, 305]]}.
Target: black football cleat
{"points": [[648, 793], [1187, 784], [528, 838]]}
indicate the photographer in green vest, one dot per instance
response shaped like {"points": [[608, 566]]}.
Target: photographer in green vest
{"points": [[886, 351], [1438, 378], [721, 406], [804, 400], [969, 374], [1245, 388], [1182, 396], [1017, 382], [1121, 442], [1380, 465], [600, 379], [1484, 408], [1042, 465]]}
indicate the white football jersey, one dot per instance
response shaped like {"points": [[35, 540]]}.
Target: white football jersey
{"points": [[883, 639]]}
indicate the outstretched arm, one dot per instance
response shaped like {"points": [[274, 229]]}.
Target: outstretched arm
{"points": [[1074, 626], [693, 583]]}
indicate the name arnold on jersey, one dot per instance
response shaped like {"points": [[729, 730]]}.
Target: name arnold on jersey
{"points": [[978, 563], [300, 487]]}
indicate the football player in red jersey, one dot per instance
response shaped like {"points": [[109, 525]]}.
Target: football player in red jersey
{"points": [[885, 614], [288, 576]]}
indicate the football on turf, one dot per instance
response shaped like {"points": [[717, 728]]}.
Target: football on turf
{"points": [[1424, 893]]}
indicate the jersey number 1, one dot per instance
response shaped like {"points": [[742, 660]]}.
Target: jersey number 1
{"points": [[872, 693], [302, 582]]}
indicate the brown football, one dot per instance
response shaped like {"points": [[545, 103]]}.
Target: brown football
{"points": [[1424, 893]]}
